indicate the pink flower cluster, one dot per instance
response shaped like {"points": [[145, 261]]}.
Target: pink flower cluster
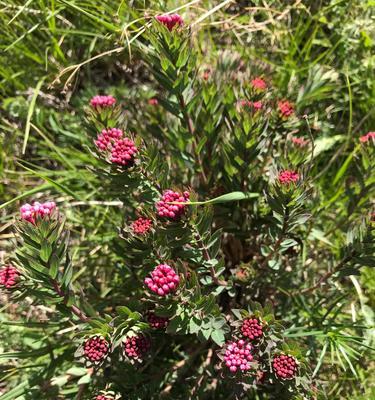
{"points": [[157, 322], [287, 177], [102, 101], [31, 212], [206, 74], [102, 397], [119, 149], [170, 20], [95, 348], [164, 280], [255, 105], [141, 226], [284, 366], [366, 138], [286, 108], [238, 356], [9, 276], [259, 84], [300, 141], [252, 328], [136, 346], [172, 211], [153, 102]]}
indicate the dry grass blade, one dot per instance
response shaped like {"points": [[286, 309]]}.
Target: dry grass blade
{"points": [[30, 114]]}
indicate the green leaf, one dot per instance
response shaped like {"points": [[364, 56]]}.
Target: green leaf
{"points": [[345, 166], [218, 337], [54, 266], [233, 196], [325, 143], [84, 380], [194, 325], [45, 251], [124, 310], [77, 371]]}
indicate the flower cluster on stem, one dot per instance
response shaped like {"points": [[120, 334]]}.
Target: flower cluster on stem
{"points": [[170, 20], [31, 212], [102, 101], [117, 148], [238, 356], [136, 347], [163, 280], [9, 276]]}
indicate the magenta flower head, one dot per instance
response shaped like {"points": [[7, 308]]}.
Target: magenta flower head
{"points": [[95, 349], [284, 366], [9, 276], [163, 280], [157, 322], [237, 356], [250, 105], [259, 84], [141, 226], [103, 397], [206, 74], [257, 105], [243, 103], [136, 346], [165, 209], [153, 101], [102, 101], [37, 210], [170, 20], [300, 141], [252, 328], [116, 148], [366, 138], [287, 177], [286, 108]]}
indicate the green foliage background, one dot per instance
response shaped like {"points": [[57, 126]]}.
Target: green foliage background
{"points": [[56, 54]]}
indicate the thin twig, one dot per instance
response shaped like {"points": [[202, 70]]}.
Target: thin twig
{"points": [[75, 310], [326, 276], [278, 242], [206, 256]]}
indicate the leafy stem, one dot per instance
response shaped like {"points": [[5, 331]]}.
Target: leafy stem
{"points": [[190, 126], [207, 257], [74, 309], [277, 244]]}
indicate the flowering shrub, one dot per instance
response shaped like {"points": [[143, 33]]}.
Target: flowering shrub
{"points": [[230, 284]]}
